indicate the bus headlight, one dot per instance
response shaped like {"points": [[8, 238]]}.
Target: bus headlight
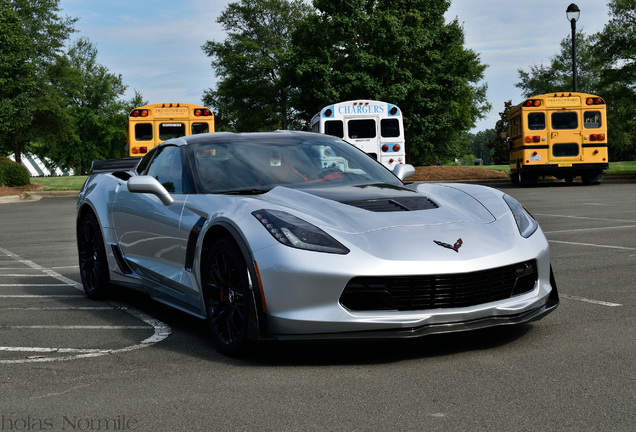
{"points": [[525, 222]]}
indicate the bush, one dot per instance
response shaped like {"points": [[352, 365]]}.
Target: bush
{"points": [[13, 174]]}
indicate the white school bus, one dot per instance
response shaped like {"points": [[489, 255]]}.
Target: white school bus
{"points": [[373, 126]]}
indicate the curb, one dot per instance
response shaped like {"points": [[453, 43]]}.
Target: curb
{"points": [[36, 195]]}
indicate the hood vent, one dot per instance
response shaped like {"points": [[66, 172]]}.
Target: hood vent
{"points": [[394, 204]]}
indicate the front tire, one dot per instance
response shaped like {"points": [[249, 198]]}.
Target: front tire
{"points": [[226, 293], [92, 258]]}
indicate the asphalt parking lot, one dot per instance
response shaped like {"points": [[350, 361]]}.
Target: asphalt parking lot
{"points": [[68, 363]]}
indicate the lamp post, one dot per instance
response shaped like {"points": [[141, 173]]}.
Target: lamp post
{"points": [[573, 12]]}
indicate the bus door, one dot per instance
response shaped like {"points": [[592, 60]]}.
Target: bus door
{"points": [[564, 135]]}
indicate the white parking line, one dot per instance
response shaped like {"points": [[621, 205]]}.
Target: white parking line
{"points": [[590, 229], [160, 330], [592, 245], [586, 300], [585, 218], [32, 285], [65, 308], [42, 296]]}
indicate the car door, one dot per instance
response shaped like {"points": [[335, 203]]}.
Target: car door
{"points": [[149, 233]]}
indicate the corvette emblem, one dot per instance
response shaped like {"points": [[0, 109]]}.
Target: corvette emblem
{"points": [[454, 247]]}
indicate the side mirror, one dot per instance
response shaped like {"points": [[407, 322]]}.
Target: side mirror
{"points": [[404, 171], [148, 184]]}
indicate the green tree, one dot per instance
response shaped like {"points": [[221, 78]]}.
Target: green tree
{"points": [[400, 51], [557, 77], [479, 145], [32, 36], [616, 53], [606, 66], [92, 98], [253, 92], [498, 143]]}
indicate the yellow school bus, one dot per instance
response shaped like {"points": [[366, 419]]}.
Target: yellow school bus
{"points": [[558, 134], [150, 125]]}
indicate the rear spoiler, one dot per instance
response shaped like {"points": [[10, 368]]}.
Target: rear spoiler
{"points": [[112, 165]]}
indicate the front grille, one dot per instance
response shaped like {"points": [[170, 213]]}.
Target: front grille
{"points": [[405, 293]]}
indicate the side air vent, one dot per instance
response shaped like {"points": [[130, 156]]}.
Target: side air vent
{"points": [[121, 261], [394, 204]]}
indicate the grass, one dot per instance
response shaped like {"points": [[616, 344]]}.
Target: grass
{"points": [[76, 182], [615, 168], [60, 183]]}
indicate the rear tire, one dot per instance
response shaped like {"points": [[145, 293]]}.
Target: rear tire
{"points": [[227, 297], [592, 178], [527, 179], [92, 258]]}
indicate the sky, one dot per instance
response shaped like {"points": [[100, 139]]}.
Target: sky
{"points": [[155, 45]]}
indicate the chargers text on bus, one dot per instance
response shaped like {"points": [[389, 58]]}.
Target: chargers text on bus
{"points": [[558, 134], [150, 125], [373, 126]]}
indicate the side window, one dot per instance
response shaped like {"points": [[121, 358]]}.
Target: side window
{"points": [[171, 130], [565, 120], [141, 167], [389, 128], [592, 119], [536, 121], [199, 128], [143, 131], [361, 128], [168, 169], [334, 128]]}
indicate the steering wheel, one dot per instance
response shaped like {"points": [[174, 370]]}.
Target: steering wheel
{"points": [[324, 172]]}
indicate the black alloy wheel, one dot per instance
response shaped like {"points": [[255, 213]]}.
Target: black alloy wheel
{"points": [[92, 258], [226, 293]]}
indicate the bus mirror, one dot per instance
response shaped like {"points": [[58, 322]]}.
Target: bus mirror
{"points": [[404, 171], [148, 184]]}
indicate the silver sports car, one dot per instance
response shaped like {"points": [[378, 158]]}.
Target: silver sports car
{"points": [[296, 235]]}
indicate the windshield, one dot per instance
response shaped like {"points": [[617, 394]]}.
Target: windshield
{"points": [[259, 162]]}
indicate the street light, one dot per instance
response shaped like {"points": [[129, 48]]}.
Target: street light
{"points": [[573, 12]]}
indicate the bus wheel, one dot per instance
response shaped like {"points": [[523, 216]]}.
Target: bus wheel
{"points": [[569, 179], [592, 178], [514, 178], [527, 179]]}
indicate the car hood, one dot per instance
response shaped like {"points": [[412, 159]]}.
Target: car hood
{"points": [[365, 208]]}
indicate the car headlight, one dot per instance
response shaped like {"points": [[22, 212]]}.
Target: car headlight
{"points": [[525, 222], [295, 232]]}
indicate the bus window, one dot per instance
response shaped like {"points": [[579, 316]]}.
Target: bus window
{"points": [[389, 128], [171, 130], [199, 128], [536, 121], [361, 128], [334, 128], [565, 120], [143, 131], [592, 119]]}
